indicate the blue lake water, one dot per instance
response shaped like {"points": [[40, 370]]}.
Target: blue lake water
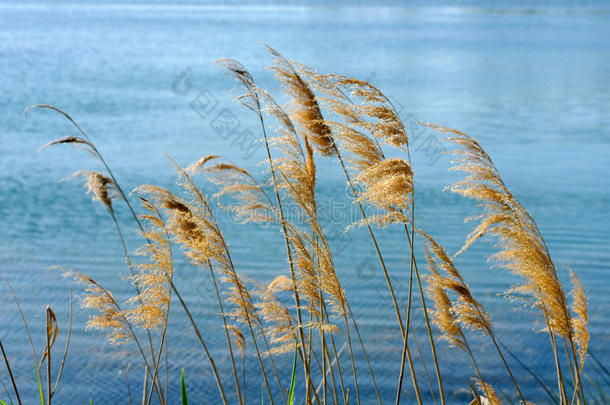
{"points": [[531, 83]]}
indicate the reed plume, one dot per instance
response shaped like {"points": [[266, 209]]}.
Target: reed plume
{"points": [[109, 316], [580, 320], [374, 113], [243, 76], [491, 396], [387, 185], [102, 188], [151, 304], [192, 227], [235, 180], [327, 115], [443, 316], [305, 108], [297, 178], [467, 311], [280, 324], [522, 249], [450, 315], [250, 202]]}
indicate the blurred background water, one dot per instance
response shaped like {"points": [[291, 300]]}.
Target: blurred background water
{"points": [[530, 82]]}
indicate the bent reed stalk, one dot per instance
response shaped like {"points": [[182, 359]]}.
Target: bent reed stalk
{"points": [[336, 117]]}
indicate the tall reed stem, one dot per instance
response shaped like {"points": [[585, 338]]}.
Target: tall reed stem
{"points": [[224, 321]]}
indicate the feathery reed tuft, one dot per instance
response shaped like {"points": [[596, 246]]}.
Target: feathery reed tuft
{"points": [[307, 111], [151, 304], [491, 397], [523, 250], [388, 186], [101, 187], [580, 321], [109, 316]]}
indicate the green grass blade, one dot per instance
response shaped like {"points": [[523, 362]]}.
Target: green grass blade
{"points": [[2, 402], [183, 397], [8, 395], [293, 378], [39, 387]]}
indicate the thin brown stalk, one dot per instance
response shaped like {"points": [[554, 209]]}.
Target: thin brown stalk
{"points": [[364, 352], [10, 373], [224, 320], [427, 318], [202, 342], [128, 388], [423, 363]]}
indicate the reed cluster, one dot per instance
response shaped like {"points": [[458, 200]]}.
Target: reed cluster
{"points": [[306, 310]]}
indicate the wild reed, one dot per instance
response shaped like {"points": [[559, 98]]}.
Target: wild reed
{"points": [[335, 117]]}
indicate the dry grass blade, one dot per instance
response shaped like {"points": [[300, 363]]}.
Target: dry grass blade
{"points": [[51, 334], [63, 361]]}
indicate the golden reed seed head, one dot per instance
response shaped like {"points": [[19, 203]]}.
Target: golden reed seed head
{"points": [[364, 151], [280, 327], [239, 297], [108, 316], [580, 321], [308, 285], [250, 201], [102, 188], [442, 315], [522, 248], [374, 112], [201, 162], [279, 284], [307, 111], [151, 305], [238, 338], [490, 398], [466, 310], [251, 98], [388, 186]]}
